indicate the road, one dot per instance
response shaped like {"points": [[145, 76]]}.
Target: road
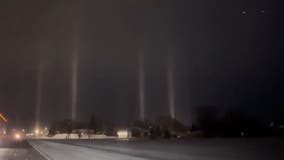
{"points": [[194, 149], [17, 150]]}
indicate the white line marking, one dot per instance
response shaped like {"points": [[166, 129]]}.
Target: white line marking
{"points": [[40, 152]]}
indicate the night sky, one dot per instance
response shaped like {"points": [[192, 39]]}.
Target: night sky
{"points": [[225, 53]]}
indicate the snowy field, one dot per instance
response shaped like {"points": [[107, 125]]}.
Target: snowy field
{"points": [[75, 136], [195, 149]]}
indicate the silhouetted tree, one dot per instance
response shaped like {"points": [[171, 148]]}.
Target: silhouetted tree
{"points": [[170, 124], [69, 128], [207, 119], [64, 126], [92, 126]]}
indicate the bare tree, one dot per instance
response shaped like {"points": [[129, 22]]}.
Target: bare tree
{"points": [[92, 126]]}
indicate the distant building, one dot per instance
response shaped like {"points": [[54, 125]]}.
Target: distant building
{"points": [[124, 133]]}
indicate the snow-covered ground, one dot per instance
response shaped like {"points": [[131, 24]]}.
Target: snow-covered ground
{"points": [[194, 149], [75, 136], [59, 151], [17, 150]]}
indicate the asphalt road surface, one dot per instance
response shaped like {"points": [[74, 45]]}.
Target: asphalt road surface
{"points": [[18, 150]]}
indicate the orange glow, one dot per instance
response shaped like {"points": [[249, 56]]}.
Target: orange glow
{"points": [[17, 136], [3, 118], [36, 131]]}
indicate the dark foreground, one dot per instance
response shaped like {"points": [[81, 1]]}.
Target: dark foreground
{"points": [[17, 150], [191, 149]]}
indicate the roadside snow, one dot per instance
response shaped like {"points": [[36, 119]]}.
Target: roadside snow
{"points": [[58, 151], [75, 136], [193, 149]]}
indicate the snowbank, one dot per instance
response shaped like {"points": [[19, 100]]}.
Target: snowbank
{"points": [[75, 136]]}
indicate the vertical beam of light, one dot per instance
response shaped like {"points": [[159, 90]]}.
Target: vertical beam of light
{"points": [[39, 94], [74, 84], [74, 59], [141, 87], [171, 87]]}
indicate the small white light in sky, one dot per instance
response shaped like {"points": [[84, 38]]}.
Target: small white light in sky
{"points": [[244, 12], [262, 11]]}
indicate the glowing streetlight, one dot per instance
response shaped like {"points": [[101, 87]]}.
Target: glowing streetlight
{"points": [[36, 131], [17, 136]]}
